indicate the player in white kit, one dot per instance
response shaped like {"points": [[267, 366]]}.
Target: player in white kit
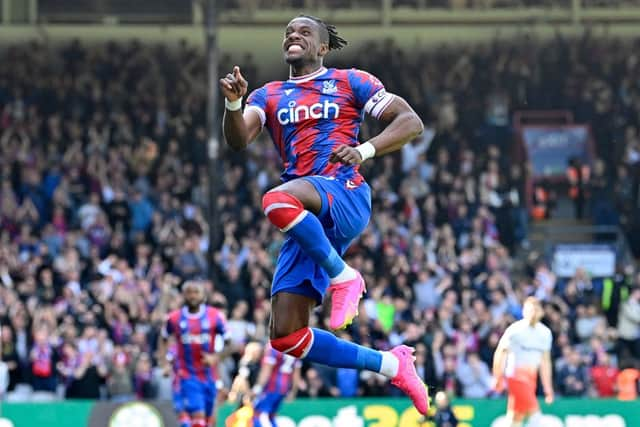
{"points": [[523, 349]]}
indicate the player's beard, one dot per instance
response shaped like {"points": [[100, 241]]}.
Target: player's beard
{"points": [[193, 307]]}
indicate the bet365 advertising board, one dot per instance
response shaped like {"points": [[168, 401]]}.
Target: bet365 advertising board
{"points": [[379, 412]]}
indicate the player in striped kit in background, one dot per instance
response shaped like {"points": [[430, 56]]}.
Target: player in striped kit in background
{"points": [[199, 332], [278, 379]]}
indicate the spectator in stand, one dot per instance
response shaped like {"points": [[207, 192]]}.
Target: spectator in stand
{"points": [[446, 359], [578, 175], [629, 327], [601, 199], [474, 377], [119, 384], [587, 321], [42, 362], [144, 388], [84, 376], [572, 379], [313, 386], [604, 377], [240, 330], [9, 357], [627, 384]]}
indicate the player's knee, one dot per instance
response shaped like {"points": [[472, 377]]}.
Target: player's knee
{"points": [[283, 209], [296, 344]]}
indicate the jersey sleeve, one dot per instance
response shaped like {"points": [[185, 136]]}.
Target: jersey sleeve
{"points": [[221, 325], [220, 330], [369, 92], [257, 101]]}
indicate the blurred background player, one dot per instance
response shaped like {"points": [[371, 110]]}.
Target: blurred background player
{"points": [[248, 370], [523, 349], [444, 416], [199, 332], [278, 379], [324, 203], [171, 366]]}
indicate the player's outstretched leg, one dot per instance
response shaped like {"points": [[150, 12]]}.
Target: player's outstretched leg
{"points": [[290, 334], [287, 212]]}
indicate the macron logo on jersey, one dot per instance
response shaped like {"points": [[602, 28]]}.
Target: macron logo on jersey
{"points": [[296, 113]]}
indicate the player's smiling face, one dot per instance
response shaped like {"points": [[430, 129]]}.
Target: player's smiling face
{"points": [[302, 42]]}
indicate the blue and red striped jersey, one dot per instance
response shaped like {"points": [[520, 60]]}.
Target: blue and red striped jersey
{"points": [[195, 334], [309, 116], [281, 378]]}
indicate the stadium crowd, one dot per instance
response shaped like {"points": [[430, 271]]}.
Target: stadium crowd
{"points": [[103, 215]]}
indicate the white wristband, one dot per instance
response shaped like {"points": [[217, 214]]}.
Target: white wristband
{"points": [[233, 105], [257, 389], [366, 150]]}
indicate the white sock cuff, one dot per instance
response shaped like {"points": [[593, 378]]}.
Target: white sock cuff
{"points": [[390, 364], [347, 273]]}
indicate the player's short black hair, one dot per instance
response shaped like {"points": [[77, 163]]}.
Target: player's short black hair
{"points": [[332, 38]]}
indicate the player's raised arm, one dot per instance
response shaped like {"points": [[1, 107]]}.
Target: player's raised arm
{"points": [[239, 128], [403, 125]]}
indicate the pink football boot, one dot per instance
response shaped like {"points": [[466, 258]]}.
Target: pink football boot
{"points": [[408, 379], [344, 301]]}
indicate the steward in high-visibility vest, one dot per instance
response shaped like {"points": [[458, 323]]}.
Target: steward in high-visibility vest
{"points": [[578, 177], [540, 208]]}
